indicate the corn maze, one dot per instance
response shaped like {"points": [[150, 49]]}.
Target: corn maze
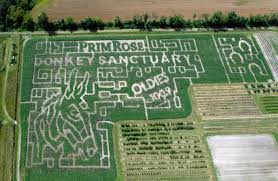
{"points": [[78, 95]]}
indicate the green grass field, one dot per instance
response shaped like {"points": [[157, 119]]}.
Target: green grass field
{"points": [[8, 104], [269, 104], [2, 65], [5, 136], [74, 89]]}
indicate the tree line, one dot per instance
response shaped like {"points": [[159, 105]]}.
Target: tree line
{"points": [[15, 16], [217, 20]]}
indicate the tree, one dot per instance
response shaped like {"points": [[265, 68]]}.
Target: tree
{"points": [[118, 22], [109, 24], [148, 26], [89, 24], [128, 24], [43, 21], [188, 23], [163, 22], [32, 3], [217, 20], [234, 20], [273, 19], [70, 24], [242, 22], [61, 25], [205, 20], [177, 22], [100, 24], [51, 28], [197, 23], [84, 23], [154, 23], [147, 22], [24, 4], [4, 11], [15, 17], [138, 22], [258, 21], [28, 23]]}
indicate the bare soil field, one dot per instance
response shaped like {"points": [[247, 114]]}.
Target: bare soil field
{"points": [[108, 9]]}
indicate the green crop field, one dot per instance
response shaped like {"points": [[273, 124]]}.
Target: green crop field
{"points": [[270, 104], [74, 90], [265, 95], [163, 150]]}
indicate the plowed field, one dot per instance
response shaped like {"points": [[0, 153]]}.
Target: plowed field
{"points": [[108, 9]]}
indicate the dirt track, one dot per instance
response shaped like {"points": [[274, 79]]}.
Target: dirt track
{"points": [[108, 9]]}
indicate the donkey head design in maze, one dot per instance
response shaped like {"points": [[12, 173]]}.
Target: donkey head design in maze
{"points": [[63, 129]]}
